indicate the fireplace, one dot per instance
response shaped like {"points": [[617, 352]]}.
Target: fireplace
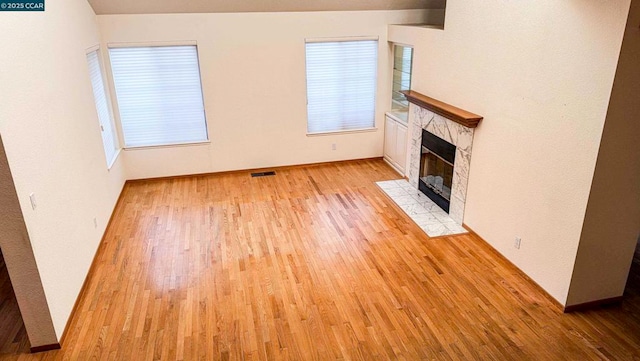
{"points": [[451, 130], [436, 169]]}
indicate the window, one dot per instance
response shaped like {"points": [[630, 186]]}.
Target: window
{"points": [[402, 61], [102, 106], [341, 85], [159, 95]]}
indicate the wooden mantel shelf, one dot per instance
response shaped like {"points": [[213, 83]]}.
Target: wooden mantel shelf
{"points": [[458, 115]]}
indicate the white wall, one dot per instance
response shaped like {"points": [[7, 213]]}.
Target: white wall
{"points": [[612, 223], [21, 263], [541, 74], [253, 77], [52, 140]]}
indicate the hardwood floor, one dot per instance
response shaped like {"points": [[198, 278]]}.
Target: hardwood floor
{"points": [[315, 263], [13, 336]]}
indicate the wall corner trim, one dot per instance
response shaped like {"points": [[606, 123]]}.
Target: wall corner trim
{"points": [[558, 305], [613, 301], [43, 348]]}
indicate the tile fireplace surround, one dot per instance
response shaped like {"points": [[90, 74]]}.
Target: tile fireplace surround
{"points": [[423, 211], [456, 127], [454, 133]]}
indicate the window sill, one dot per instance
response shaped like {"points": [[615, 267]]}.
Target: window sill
{"points": [[113, 161], [143, 147], [337, 132]]}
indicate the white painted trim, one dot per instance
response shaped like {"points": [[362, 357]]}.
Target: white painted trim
{"points": [[92, 49], [206, 142], [344, 38], [113, 161], [395, 168], [336, 132], [152, 44]]}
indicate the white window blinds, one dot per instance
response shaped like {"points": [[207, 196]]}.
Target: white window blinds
{"points": [[341, 85], [159, 95], [102, 106]]}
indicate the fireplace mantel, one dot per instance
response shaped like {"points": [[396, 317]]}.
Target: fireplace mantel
{"points": [[457, 115]]}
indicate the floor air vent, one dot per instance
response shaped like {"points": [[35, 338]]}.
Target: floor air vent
{"points": [[263, 174]]}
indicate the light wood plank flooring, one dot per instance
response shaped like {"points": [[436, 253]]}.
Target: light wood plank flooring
{"points": [[315, 263]]}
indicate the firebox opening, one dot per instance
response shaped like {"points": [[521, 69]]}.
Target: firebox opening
{"points": [[436, 169]]}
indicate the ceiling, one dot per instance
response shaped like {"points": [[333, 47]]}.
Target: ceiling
{"points": [[103, 7]]}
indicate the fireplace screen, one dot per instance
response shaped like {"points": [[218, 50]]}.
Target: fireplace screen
{"points": [[436, 169], [436, 173]]}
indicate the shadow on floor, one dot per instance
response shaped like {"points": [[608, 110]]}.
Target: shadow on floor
{"points": [[13, 335]]}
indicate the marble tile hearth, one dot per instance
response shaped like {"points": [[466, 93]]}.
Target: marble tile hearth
{"points": [[422, 210]]}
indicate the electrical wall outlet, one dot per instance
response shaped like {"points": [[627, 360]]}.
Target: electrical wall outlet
{"points": [[516, 243], [333, 146], [95, 222]]}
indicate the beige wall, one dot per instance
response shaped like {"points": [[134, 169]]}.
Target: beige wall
{"points": [[52, 140], [21, 263], [541, 74], [612, 222], [253, 78]]}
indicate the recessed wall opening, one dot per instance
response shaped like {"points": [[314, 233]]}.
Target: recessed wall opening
{"points": [[402, 65]]}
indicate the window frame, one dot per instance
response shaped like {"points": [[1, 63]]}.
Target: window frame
{"points": [[372, 128], [112, 83], [109, 105]]}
